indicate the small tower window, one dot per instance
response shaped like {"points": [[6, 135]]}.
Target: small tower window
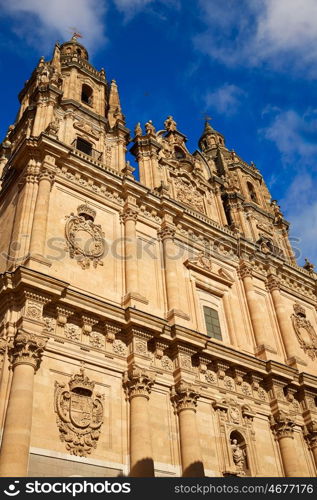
{"points": [[212, 323], [252, 192], [179, 153], [84, 146], [86, 94]]}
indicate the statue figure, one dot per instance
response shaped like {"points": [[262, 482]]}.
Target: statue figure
{"points": [[149, 127], [138, 130], [170, 124], [309, 266], [238, 455], [278, 216]]}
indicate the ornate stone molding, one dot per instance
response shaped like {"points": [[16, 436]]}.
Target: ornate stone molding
{"points": [[138, 382], [184, 396], [79, 414], [27, 348], [282, 425]]}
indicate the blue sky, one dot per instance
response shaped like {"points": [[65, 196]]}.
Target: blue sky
{"points": [[250, 64]]}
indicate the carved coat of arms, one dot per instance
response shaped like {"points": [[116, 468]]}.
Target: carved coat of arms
{"points": [[85, 240], [79, 414], [305, 331]]}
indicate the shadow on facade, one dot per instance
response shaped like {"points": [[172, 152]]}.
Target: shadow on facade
{"points": [[143, 468], [196, 469]]}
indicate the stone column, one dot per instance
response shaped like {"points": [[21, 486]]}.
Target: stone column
{"points": [[283, 428], [3, 347], [311, 437], [138, 383], [219, 203], [283, 320], [167, 234], [184, 398], [129, 218], [39, 228], [252, 301], [25, 356]]}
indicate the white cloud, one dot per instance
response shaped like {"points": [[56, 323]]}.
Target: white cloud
{"points": [[295, 136], [40, 22], [281, 33], [225, 99], [300, 207]]}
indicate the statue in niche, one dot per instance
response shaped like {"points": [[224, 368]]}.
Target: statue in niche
{"points": [[239, 456]]}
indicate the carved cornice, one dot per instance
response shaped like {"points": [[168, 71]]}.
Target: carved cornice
{"points": [[27, 348], [138, 382], [184, 396]]}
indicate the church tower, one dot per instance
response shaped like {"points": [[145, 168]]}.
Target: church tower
{"points": [[151, 327]]}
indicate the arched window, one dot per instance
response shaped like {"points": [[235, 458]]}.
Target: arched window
{"points": [[252, 192], [86, 94], [84, 146], [179, 153], [78, 52]]}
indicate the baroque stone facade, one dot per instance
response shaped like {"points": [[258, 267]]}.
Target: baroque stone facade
{"points": [[152, 327]]}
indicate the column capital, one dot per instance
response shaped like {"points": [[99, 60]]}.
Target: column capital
{"points": [[129, 213], [282, 425], [273, 283], [245, 269], [47, 173], [138, 382], [27, 348], [166, 232], [184, 396], [311, 434]]}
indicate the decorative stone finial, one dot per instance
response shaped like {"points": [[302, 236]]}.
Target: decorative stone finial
{"points": [[170, 124]]}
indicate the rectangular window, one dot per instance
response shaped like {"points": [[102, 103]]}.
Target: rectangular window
{"points": [[84, 146], [212, 323]]}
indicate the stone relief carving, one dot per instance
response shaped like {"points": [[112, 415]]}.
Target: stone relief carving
{"points": [[305, 331], [72, 332], [97, 340], [85, 240], [189, 195], [119, 347], [49, 324], [85, 127], [167, 363], [33, 310], [79, 414]]}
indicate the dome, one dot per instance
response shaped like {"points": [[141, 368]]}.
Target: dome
{"points": [[74, 48]]}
